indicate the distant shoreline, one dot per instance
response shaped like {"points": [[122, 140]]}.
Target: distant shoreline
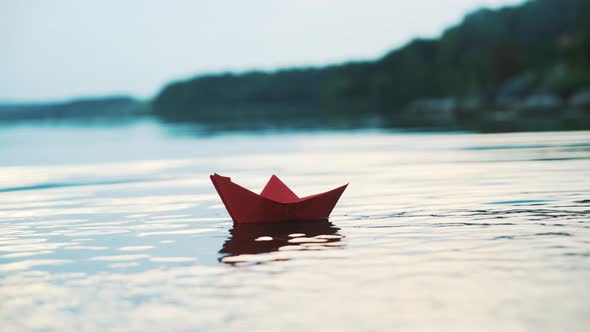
{"points": [[523, 67]]}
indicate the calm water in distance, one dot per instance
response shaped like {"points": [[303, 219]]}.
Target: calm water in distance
{"points": [[119, 229]]}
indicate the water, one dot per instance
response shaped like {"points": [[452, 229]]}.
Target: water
{"points": [[120, 229]]}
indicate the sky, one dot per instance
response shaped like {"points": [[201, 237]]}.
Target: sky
{"points": [[61, 49]]}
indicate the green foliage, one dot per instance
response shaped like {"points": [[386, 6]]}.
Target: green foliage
{"points": [[488, 48]]}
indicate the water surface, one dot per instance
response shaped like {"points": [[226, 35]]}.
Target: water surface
{"points": [[119, 228]]}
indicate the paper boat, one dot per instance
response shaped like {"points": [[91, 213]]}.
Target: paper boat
{"points": [[276, 202]]}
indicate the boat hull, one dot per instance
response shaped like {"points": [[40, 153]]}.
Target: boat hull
{"points": [[245, 206]]}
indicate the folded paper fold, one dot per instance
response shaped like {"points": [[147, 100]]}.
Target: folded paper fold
{"points": [[276, 202]]}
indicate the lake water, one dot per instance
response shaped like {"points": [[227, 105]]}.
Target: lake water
{"points": [[119, 229]]}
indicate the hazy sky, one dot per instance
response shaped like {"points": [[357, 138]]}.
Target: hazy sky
{"points": [[66, 48]]}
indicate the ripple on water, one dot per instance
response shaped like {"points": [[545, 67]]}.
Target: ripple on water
{"points": [[434, 233], [522, 202], [136, 248]]}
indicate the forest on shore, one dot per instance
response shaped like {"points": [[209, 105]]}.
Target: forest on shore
{"points": [[532, 56], [523, 67]]}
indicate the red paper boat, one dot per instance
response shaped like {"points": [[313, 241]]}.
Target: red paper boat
{"points": [[276, 202]]}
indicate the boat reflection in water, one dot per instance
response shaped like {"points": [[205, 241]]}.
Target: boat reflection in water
{"points": [[256, 243]]}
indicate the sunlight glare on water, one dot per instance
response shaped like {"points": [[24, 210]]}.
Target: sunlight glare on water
{"points": [[120, 229]]}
